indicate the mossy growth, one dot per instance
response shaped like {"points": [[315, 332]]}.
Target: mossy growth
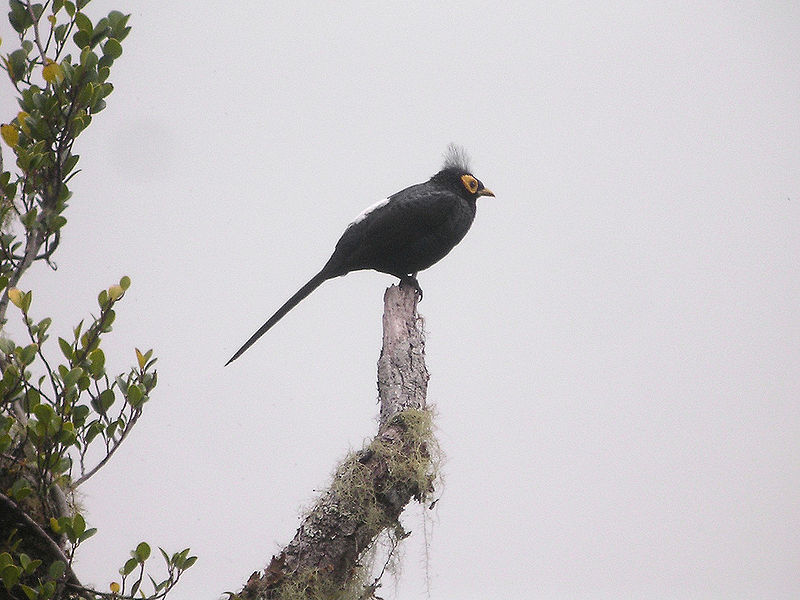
{"points": [[370, 489], [367, 482]]}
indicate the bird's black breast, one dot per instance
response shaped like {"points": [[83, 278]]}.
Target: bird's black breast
{"points": [[413, 230]]}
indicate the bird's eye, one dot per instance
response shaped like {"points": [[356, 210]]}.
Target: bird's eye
{"points": [[470, 183]]}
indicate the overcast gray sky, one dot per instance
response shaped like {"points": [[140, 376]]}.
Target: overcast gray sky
{"points": [[613, 348]]}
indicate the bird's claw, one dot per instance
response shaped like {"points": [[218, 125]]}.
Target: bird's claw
{"points": [[412, 281]]}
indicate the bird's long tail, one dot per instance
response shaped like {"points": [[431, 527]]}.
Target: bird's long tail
{"points": [[304, 291]]}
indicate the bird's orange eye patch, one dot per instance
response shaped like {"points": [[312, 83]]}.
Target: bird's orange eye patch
{"points": [[470, 183]]}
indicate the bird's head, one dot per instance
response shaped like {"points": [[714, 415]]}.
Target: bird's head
{"points": [[456, 175]]}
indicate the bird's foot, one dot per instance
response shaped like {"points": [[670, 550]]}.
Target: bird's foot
{"points": [[411, 280]]}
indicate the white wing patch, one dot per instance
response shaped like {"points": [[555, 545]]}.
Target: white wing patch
{"points": [[368, 210]]}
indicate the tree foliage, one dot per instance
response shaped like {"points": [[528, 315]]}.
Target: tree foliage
{"points": [[63, 415]]}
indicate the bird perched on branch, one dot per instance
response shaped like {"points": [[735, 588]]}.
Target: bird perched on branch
{"points": [[401, 235]]}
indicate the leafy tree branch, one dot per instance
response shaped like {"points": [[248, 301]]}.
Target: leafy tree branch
{"points": [[62, 414]]}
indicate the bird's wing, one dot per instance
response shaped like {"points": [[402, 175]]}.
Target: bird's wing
{"points": [[413, 212], [408, 215]]}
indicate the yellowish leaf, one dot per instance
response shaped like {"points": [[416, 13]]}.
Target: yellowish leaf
{"points": [[10, 135], [16, 297], [114, 587], [52, 72], [115, 292], [141, 359], [23, 124]]}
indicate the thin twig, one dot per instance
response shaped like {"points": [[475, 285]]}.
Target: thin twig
{"points": [[32, 245], [111, 451], [36, 33]]}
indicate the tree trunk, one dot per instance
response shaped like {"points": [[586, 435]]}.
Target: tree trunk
{"points": [[371, 487]]}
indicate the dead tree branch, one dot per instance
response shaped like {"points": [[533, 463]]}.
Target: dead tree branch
{"points": [[372, 486]]}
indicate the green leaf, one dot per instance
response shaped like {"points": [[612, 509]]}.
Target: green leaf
{"points": [[105, 62], [81, 39], [28, 354], [44, 412], [19, 17], [112, 48], [78, 525], [125, 282], [72, 377], [129, 566], [82, 22], [32, 398], [28, 565], [66, 348], [21, 300], [179, 557], [108, 320], [89, 59], [17, 63], [70, 163], [107, 398], [56, 222], [7, 346], [10, 576], [60, 32], [20, 490], [79, 414], [135, 396], [95, 429], [57, 569], [44, 324], [61, 465], [142, 551], [84, 96], [29, 218], [30, 593], [97, 361]]}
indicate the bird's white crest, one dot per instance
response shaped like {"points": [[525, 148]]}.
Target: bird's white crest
{"points": [[456, 158], [368, 210]]}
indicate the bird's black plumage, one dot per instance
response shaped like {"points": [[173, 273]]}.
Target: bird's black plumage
{"points": [[406, 233]]}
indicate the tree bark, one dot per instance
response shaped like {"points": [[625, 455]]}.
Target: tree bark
{"points": [[372, 486]]}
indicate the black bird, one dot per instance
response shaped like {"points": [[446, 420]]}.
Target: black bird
{"points": [[401, 235]]}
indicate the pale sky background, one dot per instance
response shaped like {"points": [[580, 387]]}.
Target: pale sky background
{"points": [[614, 348]]}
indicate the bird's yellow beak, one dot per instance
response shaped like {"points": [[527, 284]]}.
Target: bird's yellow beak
{"points": [[485, 192]]}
